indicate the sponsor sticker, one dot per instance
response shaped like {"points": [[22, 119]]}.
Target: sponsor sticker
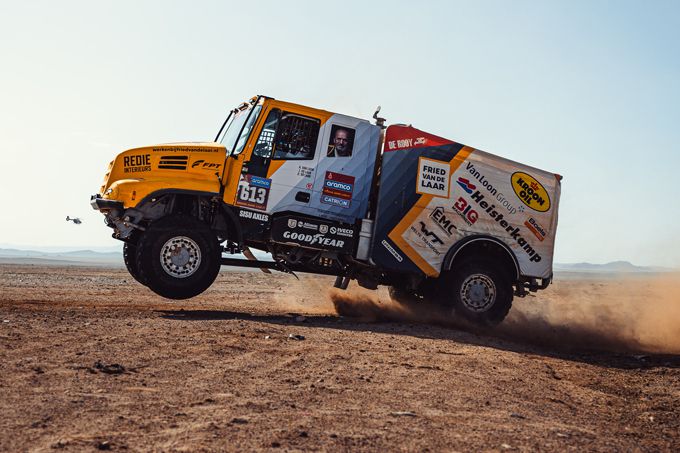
{"points": [[438, 216], [466, 185], [201, 164], [406, 142], [337, 189], [340, 231], [535, 228], [515, 233], [465, 211], [259, 181], [392, 251], [253, 192], [530, 191], [427, 236], [318, 239], [137, 163], [484, 181], [184, 149], [252, 215], [335, 201], [433, 177], [312, 233]]}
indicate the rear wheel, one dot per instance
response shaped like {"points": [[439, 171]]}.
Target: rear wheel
{"points": [[477, 290], [178, 257], [130, 258]]}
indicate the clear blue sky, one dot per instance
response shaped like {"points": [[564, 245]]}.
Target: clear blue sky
{"points": [[587, 89]]}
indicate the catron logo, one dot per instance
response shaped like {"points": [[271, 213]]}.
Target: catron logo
{"points": [[530, 191]]}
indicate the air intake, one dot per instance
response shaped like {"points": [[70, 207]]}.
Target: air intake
{"points": [[173, 162]]}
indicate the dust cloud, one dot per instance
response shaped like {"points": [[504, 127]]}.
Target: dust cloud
{"points": [[633, 313]]}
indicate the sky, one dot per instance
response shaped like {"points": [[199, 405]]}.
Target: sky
{"points": [[586, 89]]}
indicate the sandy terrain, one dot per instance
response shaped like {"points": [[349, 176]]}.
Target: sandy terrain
{"points": [[91, 360]]}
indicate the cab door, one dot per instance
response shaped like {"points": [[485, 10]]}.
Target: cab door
{"points": [[279, 174], [345, 168]]}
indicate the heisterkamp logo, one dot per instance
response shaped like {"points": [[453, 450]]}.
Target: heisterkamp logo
{"points": [[530, 191]]}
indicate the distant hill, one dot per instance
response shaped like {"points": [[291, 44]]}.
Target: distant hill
{"points": [[614, 266], [69, 257], [78, 257]]}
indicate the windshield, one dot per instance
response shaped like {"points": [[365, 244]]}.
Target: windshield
{"points": [[231, 139]]}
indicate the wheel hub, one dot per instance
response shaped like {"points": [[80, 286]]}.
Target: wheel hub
{"points": [[478, 292], [180, 257]]}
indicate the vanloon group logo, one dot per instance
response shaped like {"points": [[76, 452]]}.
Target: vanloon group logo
{"points": [[465, 184]]}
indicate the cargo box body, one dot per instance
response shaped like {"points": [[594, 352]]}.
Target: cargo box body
{"points": [[436, 194]]}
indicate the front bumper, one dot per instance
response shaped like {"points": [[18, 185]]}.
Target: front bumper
{"points": [[99, 203]]}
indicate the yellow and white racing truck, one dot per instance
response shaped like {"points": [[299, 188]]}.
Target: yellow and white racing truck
{"points": [[331, 194]]}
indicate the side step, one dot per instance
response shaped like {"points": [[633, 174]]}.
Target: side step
{"points": [[257, 264]]}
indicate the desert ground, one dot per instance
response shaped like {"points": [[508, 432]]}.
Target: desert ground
{"points": [[91, 360]]}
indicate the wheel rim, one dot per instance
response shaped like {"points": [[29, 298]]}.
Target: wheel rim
{"points": [[180, 257], [478, 292]]}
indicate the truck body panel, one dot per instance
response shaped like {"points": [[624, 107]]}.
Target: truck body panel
{"points": [[435, 192]]}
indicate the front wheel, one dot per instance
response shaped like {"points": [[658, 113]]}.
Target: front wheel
{"points": [[478, 291], [130, 259], [178, 257]]}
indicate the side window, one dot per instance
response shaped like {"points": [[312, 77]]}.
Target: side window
{"points": [[341, 142], [263, 147], [296, 137]]}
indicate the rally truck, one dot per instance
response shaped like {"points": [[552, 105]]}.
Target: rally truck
{"points": [[326, 193]]}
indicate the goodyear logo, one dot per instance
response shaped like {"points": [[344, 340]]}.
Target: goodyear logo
{"points": [[530, 191]]}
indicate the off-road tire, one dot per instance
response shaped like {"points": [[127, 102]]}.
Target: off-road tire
{"points": [[178, 257], [478, 290], [130, 259]]}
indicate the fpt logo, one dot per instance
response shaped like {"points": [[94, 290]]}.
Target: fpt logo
{"points": [[466, 185], [530, 191]]}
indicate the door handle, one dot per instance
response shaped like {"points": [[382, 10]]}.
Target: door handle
{"points": [[302, 197]]}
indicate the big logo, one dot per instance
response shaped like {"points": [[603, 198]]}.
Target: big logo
{"points": [[464, 209], [530, 192]]}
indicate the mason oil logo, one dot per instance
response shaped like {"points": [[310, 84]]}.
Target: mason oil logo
{"points": [[530, 191]]}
